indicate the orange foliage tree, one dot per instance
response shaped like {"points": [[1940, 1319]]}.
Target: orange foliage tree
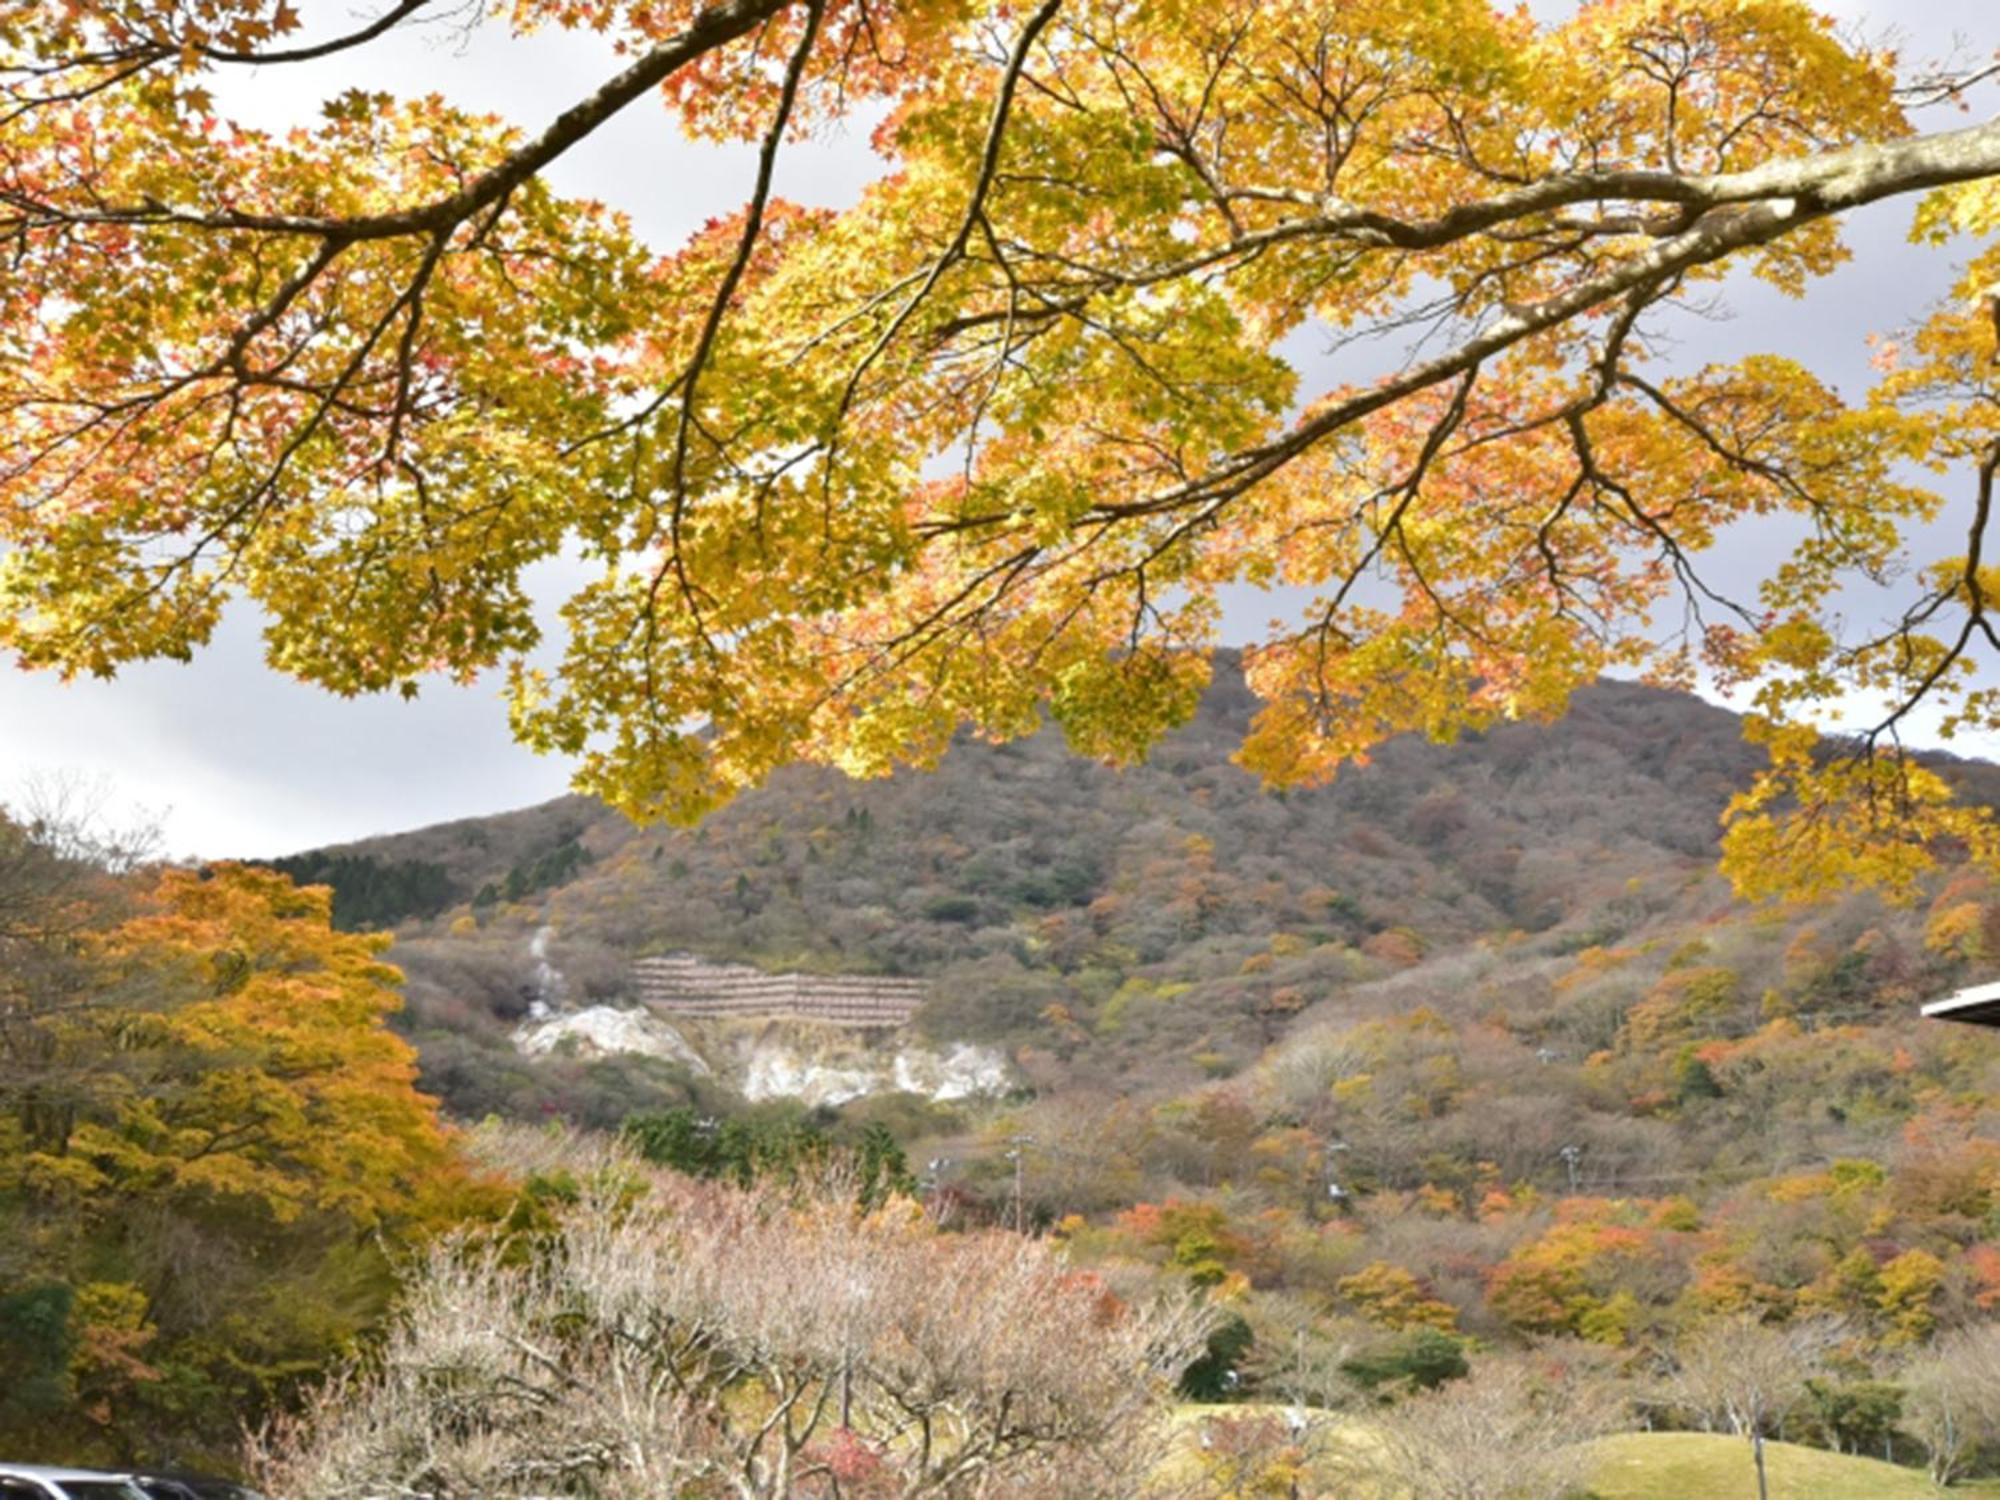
{"points": [[207, 1170]]}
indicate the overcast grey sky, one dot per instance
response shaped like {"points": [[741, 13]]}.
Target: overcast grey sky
{"points": [[234, 759]]}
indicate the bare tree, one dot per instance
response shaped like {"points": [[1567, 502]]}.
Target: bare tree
{"points": [[1743, 1376], [1519, 1428], [1740, 1375], [1951, 1398], [59, 863], [1301, 1356], [68, 814], [672, 1337]]}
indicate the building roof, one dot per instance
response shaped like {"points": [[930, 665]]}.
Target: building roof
{"points": [[1979, 1005]]}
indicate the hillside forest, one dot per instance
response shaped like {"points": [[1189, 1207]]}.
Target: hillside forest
{"points": [[1467, 1057], [1406, 1046]]}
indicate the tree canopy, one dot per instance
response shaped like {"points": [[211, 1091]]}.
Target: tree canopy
{"points": [[211, 1149], [994, 441]]}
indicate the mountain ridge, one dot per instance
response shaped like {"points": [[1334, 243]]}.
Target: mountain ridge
{"points": [[1052, 901]]}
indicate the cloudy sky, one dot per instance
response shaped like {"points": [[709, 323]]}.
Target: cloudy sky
{"points": [[233, 759]]}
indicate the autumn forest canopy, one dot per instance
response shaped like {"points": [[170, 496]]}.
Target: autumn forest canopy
{"points": [[1236, 1130], [993, 442], [1612, 1148]]}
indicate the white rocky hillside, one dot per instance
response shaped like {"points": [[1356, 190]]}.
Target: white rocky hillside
{"points": [[781, 1048]]}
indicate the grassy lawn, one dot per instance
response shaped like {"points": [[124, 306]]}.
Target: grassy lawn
{"points": [[1682, 1465], [1671, 1466]]}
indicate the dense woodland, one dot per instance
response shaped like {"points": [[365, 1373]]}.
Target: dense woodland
{"points": [[1393, 1088], [1399, 1134], [1467, 1058], [1468, 1051], [212, 1149]]}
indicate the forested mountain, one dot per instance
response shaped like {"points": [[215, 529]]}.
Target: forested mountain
{"points": [[1468, 1050], [1473, 1040], [1010, 1129], [918, 871], [1136, 930]]}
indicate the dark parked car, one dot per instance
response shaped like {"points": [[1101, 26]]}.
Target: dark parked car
{"points": [[172, 1486]]}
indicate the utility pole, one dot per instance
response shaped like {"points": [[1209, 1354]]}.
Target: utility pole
{"points": [[1018, 1156], [1571, 1155]]}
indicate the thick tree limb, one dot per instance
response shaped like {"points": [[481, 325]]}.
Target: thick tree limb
{"points": [[712, 28]]}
